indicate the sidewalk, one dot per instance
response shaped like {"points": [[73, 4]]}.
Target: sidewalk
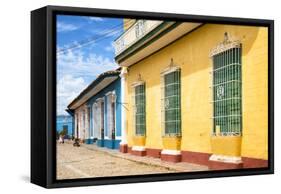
{"points": [[180, 167], [84, 162]]}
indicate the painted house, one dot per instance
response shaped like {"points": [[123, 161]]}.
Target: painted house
{"points": [[65, 122], [97, 111], [196, 92]]}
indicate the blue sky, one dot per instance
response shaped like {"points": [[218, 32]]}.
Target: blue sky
{"points": [[78, 67]]}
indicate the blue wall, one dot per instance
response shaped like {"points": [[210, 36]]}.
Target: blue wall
{"points": [[64, 120], [114, 86]]}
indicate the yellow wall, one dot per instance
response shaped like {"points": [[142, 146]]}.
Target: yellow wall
{"points": [[191, 53], [255, 99]]}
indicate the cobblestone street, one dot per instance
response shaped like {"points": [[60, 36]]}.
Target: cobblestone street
{"points": [[90, 161]]}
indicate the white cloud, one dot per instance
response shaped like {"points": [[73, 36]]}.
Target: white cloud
{"points": [[76, 63], [109, 48], [97, 19], [68, 87], [64, 27], [75, 71]]}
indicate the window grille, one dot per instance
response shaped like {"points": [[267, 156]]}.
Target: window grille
{"points": [[227, 118], [171, 103], [139, 110]]}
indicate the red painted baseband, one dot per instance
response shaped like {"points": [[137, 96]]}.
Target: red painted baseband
{"points": [[129, 149], [171, 158], [123, 148], [254, 163], [203, 159], [195, 157], [200, 158], [214, 165], [155, 153], [138, 153]]}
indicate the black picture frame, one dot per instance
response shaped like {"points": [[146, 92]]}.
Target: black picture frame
{"points": [[43, 96]]}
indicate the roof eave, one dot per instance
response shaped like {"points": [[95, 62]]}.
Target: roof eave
{"points": [[91, 86]]}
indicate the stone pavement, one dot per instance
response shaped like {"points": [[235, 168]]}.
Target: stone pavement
{"points": [[92, 161], [177, 167]]}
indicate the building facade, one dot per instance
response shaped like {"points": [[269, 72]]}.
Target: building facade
{"points": [[97, 111], [65, 122], [196, 92]]}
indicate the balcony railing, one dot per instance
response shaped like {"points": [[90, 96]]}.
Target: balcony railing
{"points": [[133, 34]]}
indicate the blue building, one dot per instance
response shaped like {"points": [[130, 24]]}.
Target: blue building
{"points": [[65, 122], [97, 111]]}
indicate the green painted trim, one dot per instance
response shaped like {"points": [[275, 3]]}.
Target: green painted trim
{"points": [[136, 46], [171, 43]]}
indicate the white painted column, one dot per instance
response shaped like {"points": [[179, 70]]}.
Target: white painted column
{"points": [[87, 122], [75, 125], [123, 110]]}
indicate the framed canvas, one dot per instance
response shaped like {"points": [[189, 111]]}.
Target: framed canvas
{"points": [[125, 96]]}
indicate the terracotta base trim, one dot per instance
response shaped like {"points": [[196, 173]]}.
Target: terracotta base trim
{"points": [[123, 148], [195, 157], [155, 153], [203, 159], [254, 163], [245, 163], [215, 165], [171, 158], [138, 153], [138, 148], [226, 159], [200, 158]]}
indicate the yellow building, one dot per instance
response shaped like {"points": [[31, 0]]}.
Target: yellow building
{"points": [[195, 92]]}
